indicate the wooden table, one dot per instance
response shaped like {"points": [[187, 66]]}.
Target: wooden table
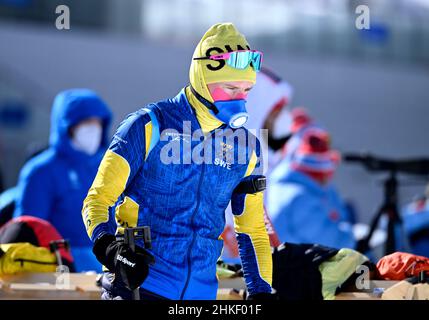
{"points": [[41, 286], [365, 294]]}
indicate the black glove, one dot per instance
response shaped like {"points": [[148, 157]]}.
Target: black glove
{"points": [[130, 267]]}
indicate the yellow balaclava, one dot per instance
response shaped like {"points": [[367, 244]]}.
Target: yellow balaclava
{"points": [[220, 38]]}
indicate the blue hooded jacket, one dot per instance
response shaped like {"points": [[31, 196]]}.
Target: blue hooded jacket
{"points": [[53, 185], [303, 211]]}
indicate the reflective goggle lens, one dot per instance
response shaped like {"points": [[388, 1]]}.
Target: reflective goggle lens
{"points": [[241, 59]]}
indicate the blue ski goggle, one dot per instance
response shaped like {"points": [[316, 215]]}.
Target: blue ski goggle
{"points": [[239, 59]]}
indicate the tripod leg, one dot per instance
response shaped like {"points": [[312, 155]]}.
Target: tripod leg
{"points": [[363, 245], [390, 245], [397, 239]]}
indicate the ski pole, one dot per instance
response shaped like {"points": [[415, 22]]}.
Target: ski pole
{"points": [[130, 236]]}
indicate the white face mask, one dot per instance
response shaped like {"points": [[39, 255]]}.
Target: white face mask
{"points": [[87, 138]]}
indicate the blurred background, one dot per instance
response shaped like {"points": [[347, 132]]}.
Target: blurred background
{"points": [[369, 88]]}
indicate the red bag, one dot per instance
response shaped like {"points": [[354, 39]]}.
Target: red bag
{"points": [[36, 231], [401, 265]]}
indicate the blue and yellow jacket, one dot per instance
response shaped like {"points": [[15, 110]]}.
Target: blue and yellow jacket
{"points": [[148, 167]]}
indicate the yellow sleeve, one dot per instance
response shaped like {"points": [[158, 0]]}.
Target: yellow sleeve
{"points": [[252, 236], [108, 185], [251, 223]]}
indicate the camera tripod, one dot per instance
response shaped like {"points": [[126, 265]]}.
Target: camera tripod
{"points": [[389, 206]]}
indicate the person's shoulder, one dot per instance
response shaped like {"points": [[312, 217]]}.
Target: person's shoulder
{"points": [[41, 164], [419, 206], [154, 109], [153, 112], [333, 191], [168, 103], [136, 124], [139, 117], [295, 191], [287, 187], [286, 193]]}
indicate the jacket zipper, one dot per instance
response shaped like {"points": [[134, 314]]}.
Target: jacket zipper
{"points": [[188, 277], [33, 261]]}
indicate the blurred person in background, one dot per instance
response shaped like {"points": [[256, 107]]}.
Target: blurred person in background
{"points": [[269, 99], [299, 118], [416, 224], [53, 184], [7, 204], [270, 95], [302, 203], [8, 197], [1, 182]]}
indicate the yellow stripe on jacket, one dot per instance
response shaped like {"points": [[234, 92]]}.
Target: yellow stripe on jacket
{"points": [[108, 185], [251, 222], [252, 164]]}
